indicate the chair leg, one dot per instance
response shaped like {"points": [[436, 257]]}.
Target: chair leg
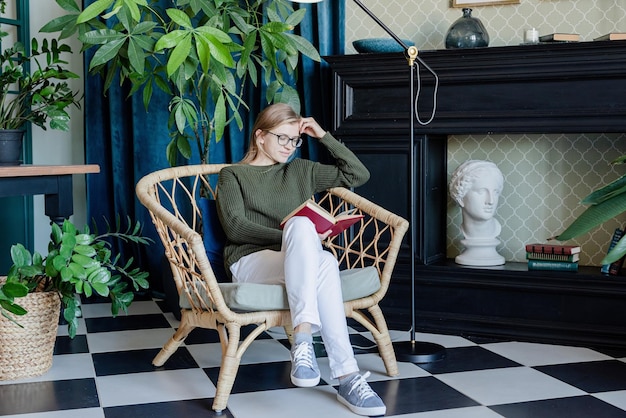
{"points": [[289, 331], [383, 340], [173, 343], [229, 366]]}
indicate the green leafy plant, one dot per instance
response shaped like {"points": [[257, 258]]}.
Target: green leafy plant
{"points": [[202, 53], [78, 263], [605, 204], [34, 87]]}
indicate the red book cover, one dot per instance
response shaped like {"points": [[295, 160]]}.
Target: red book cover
{"points": [[552, 249], [322, 219], [344, 223]]}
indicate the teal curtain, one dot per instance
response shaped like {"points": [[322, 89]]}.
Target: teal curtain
{"points": [[128, 142]]}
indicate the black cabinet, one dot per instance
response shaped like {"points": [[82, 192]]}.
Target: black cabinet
{"points": [[546, 88]]}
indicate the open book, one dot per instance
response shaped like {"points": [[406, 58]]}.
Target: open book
{"points": [[322, 219]]}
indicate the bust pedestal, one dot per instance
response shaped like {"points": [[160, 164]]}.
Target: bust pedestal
{"points": [[480, 252]]}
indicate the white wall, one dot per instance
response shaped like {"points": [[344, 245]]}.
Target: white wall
{"points": [[53, 147]]}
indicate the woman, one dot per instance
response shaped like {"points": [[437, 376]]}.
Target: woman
{"points": [[254, 196]]}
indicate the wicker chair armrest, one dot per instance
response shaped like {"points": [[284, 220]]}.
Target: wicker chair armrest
{"points": [[374, 241]]}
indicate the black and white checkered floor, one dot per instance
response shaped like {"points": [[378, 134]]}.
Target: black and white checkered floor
{"points": [[106, 371]]}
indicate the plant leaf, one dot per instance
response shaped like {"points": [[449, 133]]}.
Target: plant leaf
{"points": [[296, 17], [14, 308], [616, 187], [94, 9], [179, 17], [58, 262], [220, 116], [183, 146], [304, 46], [170, 40], [85, 262], [20, 255], [15, 290], [619, 160], [68, 5], [594, 216], [101, 36], [290, 96], [56, 233], [136, 56], [78, 271], [87, 250], [616, 252], [178, 55], [59, 24], [106, 53]]}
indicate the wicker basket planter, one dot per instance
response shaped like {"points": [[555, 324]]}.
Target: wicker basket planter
{"points": [[27, 352], [78, 262]]}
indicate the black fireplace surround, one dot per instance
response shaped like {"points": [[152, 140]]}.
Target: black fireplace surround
{"points": [[545, 88]]}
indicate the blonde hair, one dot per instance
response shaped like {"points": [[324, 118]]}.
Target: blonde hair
{"points": [[269, 118]]}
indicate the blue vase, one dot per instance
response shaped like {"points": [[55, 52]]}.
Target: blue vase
{"points": [[467, 32]]}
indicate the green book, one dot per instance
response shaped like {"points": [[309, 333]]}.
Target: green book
{"points": [[552, 265]]}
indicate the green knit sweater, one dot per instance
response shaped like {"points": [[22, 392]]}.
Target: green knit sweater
{"points": [[252, 200]]}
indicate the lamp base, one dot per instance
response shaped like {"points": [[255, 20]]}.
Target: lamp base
{"points": [[418, 351]]}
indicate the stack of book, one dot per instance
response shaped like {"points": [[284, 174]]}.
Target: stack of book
{"points": [[552, 257]]}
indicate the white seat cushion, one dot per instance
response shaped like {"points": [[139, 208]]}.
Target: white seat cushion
{"points": [[355, 283]]}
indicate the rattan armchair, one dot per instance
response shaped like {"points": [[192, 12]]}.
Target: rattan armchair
{"points": [[171, 196]]}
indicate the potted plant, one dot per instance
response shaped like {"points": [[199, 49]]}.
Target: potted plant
{"points": [[78, 262], [33, 89], [605, 203], [203, 54]]}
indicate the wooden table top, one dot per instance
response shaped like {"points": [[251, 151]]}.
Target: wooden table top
{"points": [[28, 170]]}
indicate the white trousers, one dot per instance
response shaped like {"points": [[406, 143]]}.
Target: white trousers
{"points": [[311, 278]]}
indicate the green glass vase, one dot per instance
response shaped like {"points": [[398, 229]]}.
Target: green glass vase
{"points": [[467, 32]]}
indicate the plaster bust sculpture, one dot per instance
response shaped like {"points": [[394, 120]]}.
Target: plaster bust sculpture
{"points": [[476, 186]]}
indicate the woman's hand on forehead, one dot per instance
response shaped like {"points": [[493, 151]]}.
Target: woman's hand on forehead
{"points": [[310, 127]]}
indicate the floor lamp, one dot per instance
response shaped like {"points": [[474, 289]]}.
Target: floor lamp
{"points": [[412, 351]]}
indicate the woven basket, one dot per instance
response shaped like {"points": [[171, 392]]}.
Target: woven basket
{"points": [[27, 352]]}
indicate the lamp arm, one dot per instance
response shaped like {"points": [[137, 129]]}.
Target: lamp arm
{"points": [[411, 51], [381, 24]]}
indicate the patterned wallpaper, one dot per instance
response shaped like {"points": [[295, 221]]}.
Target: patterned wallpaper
{"points": [[546, 176], [426, 21]]}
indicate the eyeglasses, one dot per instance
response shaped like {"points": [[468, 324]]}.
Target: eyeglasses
{"points": [[284, 140]]}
